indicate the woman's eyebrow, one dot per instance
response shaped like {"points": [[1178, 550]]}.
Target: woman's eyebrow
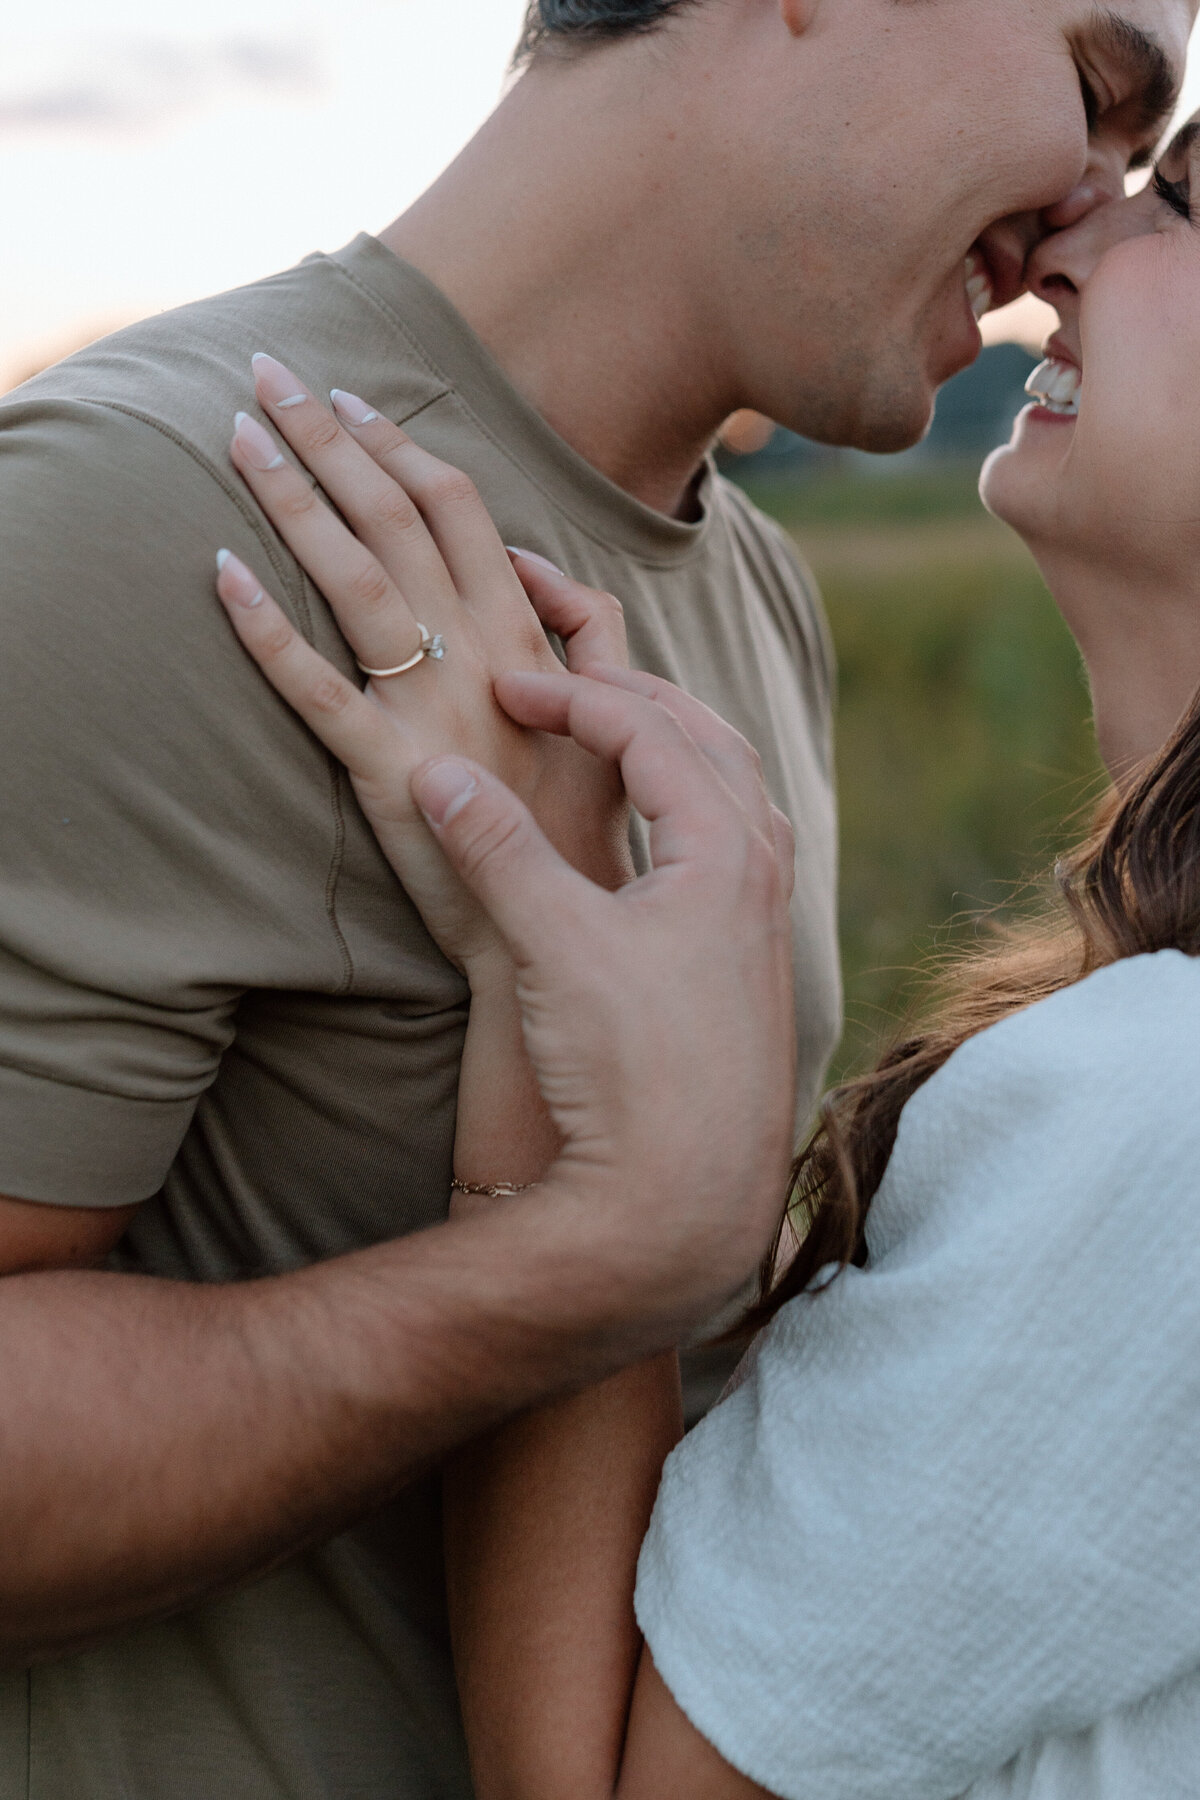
{"points": [[1150, 70]]}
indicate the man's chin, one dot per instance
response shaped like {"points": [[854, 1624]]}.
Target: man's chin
{"points": [[887, 437], [893, 413], [883, 431]]}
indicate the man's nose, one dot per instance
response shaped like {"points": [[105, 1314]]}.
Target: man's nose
{"points": [[1064, 260], [1101, 185], [1092, 192]]}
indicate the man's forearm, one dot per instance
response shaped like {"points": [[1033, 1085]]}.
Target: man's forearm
{"points": [[160, 1441]]}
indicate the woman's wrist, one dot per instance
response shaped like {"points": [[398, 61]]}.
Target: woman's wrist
{"points": [[491, 974]]}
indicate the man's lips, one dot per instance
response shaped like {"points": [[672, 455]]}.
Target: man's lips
{"points": [[1004, 266]]}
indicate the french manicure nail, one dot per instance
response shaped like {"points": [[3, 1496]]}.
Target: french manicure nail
{"points": [[350, 409], [239, 583], [532, 556], [275, 383], [258, 446], [443, 789]]}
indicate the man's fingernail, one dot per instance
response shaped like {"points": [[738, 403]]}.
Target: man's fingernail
{"points": [[532, 556], [350, 409], [238, 583], [443, 789], [257, 444], [275, 383]]}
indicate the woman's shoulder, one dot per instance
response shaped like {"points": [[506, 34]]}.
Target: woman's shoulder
{"points": [[1086, 1092]]}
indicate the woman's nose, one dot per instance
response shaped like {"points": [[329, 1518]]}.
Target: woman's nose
{"points": [[1064, 260]]}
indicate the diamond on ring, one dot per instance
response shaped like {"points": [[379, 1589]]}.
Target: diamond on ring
{"points": [[432, 647]]}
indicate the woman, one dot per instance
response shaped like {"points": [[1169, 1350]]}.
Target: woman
{"points": [[942, 1537]]}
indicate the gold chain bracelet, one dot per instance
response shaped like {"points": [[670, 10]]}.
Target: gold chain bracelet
{"points": [[496, 1190]]}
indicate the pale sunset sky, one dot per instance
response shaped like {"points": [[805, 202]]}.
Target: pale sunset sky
{"points": [[149, 155]]}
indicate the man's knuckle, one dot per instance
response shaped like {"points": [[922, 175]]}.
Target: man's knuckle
{"points": [[488, 841]]}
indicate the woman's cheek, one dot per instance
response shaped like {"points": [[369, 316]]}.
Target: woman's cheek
{"points": [[1134, 464]]}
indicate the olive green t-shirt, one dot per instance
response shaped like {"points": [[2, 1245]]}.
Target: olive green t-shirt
{"points": [[214, 996]]}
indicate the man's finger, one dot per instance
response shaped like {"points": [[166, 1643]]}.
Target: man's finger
{"points": [[682, 796], [543, 702], [500, 853], [736, 761]]}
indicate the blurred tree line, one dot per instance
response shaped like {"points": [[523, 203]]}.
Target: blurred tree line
{"points": [[965, 752]]}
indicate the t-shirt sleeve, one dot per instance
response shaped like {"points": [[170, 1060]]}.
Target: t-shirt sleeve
{"points": [[153, 797], [952, 1507]]}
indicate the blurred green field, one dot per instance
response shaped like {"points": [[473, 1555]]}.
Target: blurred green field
{"points": [[965, 751]]}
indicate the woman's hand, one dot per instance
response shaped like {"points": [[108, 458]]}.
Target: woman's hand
{"points": [[419, 550]]}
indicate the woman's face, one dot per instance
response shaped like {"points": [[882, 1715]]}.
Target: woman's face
{"points": [[1103, 472]]}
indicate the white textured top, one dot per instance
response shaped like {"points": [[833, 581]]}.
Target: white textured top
{"points": [[945, 1537]]}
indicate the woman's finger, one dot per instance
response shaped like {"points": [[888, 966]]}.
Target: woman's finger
{"points": [[348, 465], [590, 623], [359, 733], [380, 627], [449, 503]]}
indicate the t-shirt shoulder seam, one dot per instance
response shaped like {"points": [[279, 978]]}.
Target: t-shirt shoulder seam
{"points": [[230, 491], [396, 319], [296, 592]]}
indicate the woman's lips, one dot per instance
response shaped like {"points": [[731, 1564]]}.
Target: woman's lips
{"points": [[1056, 385]]}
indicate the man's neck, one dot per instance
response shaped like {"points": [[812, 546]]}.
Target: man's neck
{"points": [[554, 236]]}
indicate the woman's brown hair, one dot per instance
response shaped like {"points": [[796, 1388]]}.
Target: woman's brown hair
{"points": [[1131, 888]]}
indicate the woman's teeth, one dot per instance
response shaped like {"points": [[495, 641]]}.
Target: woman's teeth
{"points": [[979, 285], [1056, 385]]}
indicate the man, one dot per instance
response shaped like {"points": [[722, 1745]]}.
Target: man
{"points": [[227, 1047]]}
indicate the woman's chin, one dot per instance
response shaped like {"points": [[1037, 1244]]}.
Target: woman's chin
{"points": [[1019, 480]]}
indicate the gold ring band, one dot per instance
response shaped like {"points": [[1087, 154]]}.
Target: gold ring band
{"points": [[432, 647]]}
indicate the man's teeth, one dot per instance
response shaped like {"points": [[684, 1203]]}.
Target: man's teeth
{"points": [[979, 285], [1056, 385]]}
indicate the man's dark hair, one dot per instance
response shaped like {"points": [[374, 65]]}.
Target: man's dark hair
{"points": [[550, 23]]}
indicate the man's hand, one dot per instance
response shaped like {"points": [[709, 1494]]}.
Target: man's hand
{"points": [[659, 1017]]}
